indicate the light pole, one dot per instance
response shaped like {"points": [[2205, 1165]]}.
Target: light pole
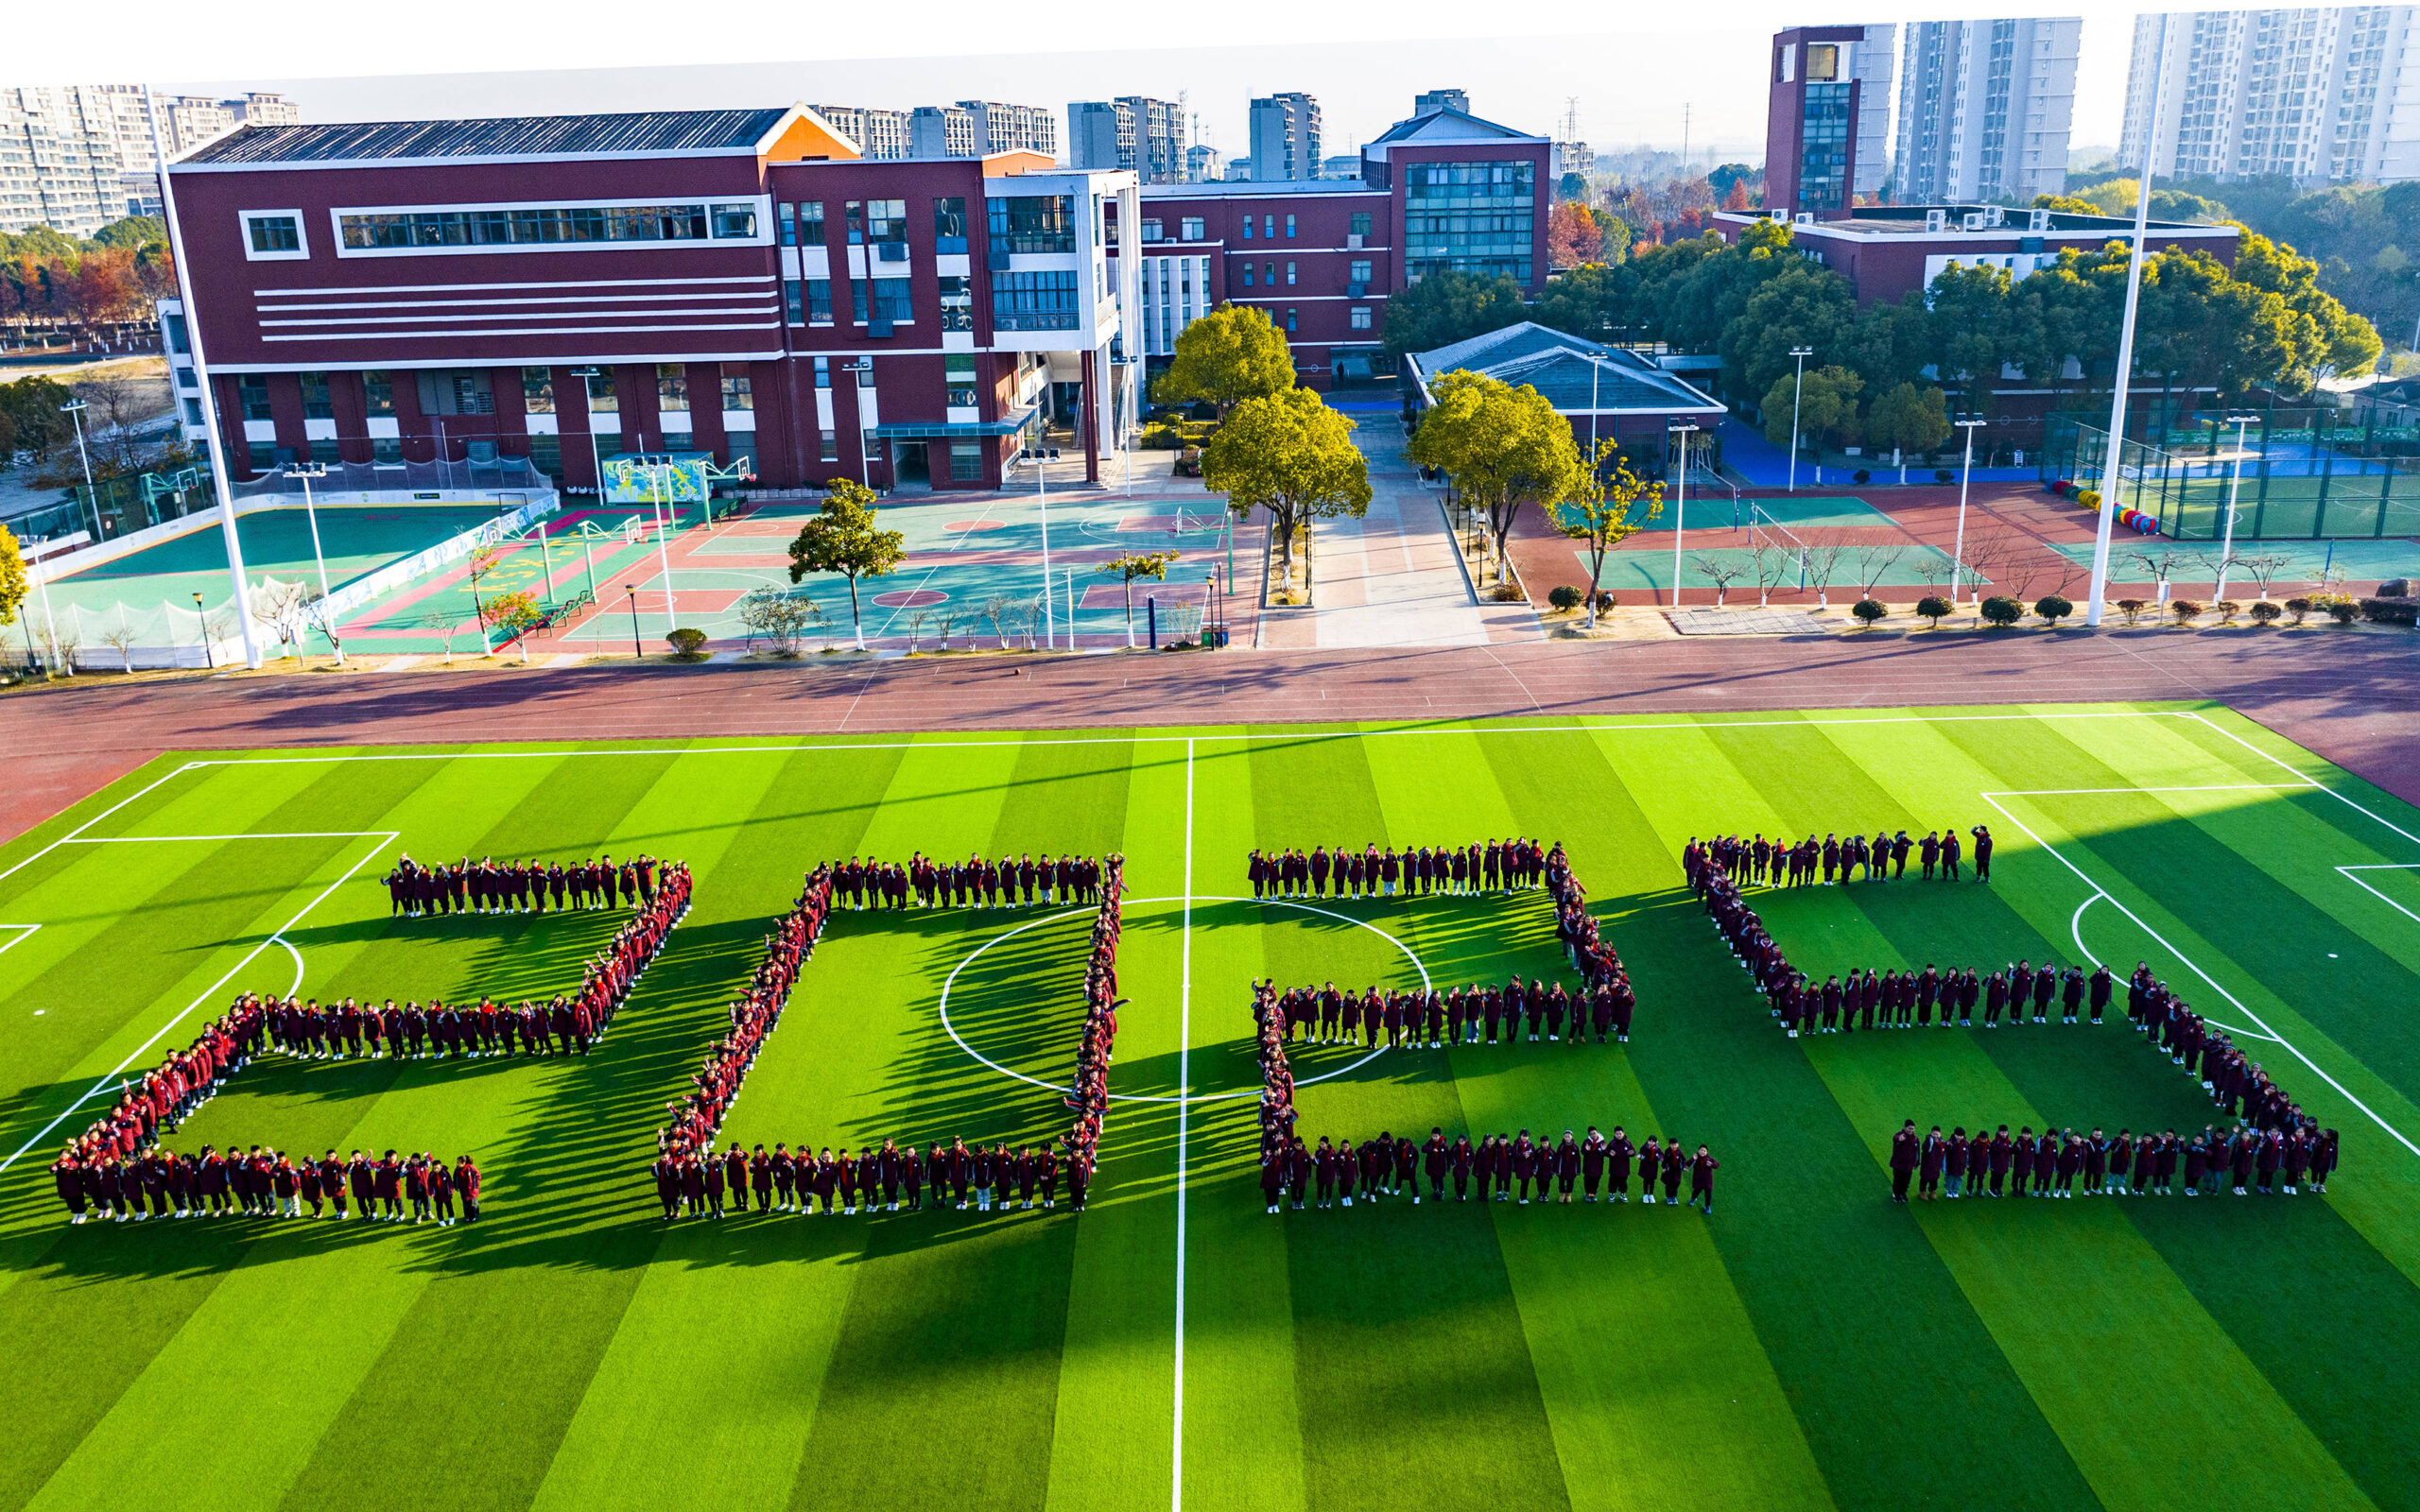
{"points": [[1957, 555], [49, 621], [1797, 386], [75, 409], [1042, 494], [2111, 474], [596, 458], [1680, 502], [209, 663], [307, 472], [638, 651], [2234, 482], [865, 468], [659, 478]]}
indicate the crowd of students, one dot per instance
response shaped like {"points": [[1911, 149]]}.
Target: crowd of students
{"points": [[120, 1153], [1779, 863], [1418, 1018], [264, 1182], [1510, 1167], [1375, 871], [2272, 1133], [489, 887], [692, 1178], [974, 883], [2056, 1163]]}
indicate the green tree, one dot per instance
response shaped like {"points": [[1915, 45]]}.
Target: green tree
{"points": [[32, 406], [133, 231], [1700, 305], [1908, 419], [1444, 308], [1504, 448], [1229, 355], [1970, 337], [1799, 305], [1826, 407], [13, 576], [1586, 301], [1292, 456], [848, 539], [2329, 338], [1151, 564], [1605, 510]]}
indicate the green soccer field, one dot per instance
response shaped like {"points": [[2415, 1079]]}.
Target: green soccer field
{"points": [[1809, 1343]]}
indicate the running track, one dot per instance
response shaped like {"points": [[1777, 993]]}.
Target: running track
{"points": [[2348, 696]]}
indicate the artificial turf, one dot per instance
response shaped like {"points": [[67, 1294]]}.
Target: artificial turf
{"points": [[1808, 1344]]}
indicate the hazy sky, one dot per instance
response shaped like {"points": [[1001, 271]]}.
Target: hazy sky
{"points": [[1633, 79]]}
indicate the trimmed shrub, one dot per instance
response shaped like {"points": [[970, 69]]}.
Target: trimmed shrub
{"points": [[2264, 613], [2228, 608], [2300, 609], [1934, 607], [1861, 476], [1507, 593], [687, 642], [2186, 609], [1563, 596], [1868, 610], [1943, 475], [2052, 609], [2002, 611], [2341, 607], [1605, 599], [2391, 611], [2133, 609]]}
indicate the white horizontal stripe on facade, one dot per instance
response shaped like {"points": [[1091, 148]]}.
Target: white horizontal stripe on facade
{"points": [[520, 331], [634, 359], [475, 289], [550, 314], [530, 299]]}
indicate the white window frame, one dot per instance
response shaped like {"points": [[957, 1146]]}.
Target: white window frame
{"points": [[302, 252]]}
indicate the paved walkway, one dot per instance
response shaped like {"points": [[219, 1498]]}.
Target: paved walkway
{"points": [[1390, 579]]}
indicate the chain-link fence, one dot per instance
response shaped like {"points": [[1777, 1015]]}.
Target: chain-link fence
{"points": [[2305, 475]]}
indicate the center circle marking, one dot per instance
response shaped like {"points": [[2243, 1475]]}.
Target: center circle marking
{"points": [[1375, 1051]]}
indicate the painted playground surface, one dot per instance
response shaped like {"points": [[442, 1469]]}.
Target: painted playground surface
{"points": [[964, 556]]}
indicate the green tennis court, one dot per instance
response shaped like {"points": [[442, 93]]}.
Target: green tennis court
{"points": [[2358, 560]]}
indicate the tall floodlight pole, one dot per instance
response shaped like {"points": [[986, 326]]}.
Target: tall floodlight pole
{"points": [[315, 470], [75, 409], [596, 456], [1680, 504], [865, 464], [1800, 353], [201, 381], [1957, 553], [2110, 477], [2234, 482], [659, 484], [1042, 496]]}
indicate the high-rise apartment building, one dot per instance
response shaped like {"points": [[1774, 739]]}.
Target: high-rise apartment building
{"points": [[1001, 127], [1985, 108], [1100, 134], [940, 132], [1428, 102], [883, 134], [1827, 116], [1133, 131], [76, 157], [1286, 136], [2317, 96]]}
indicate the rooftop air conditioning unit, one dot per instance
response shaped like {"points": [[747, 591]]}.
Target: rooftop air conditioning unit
{"points": [[1779, 217], [2037, 220], [1995, 216], [1805, 218], [1936, 221], [1353, 241], [1974, 220]]}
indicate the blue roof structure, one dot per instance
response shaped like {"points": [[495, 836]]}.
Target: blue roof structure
{"points": [[1575, 375]]}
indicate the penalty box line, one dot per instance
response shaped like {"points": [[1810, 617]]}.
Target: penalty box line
{"points": [[384, 837], [2099, 892]]}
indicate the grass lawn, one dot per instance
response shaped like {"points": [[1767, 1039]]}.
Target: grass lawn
{"points": [[1810, 1344]]}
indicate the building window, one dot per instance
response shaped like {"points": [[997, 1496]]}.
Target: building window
{"points": [[1247, 268], [1290, 275], [810, 223], [965, 462], [959, 381], [1268, 274], [1032, 223], [671, 387], [1191, 228], [379, 395], [1359, 273], [1361, 317], [538, 390], [252, 393], [824, 376], [891, 302], [819, 302], [542, 225], [316, 404], [1151, 230], [873, 445], [178, 342], [1472, 217], [738, 391], [602, 397], [1247, 228], [863, 368], [1268, 227], [193, 411], [546, 454], [790, 225], [1034, 301], [275, 235], [831, 451], [1291, 323], [1289, 227], [793, 302], [387, 449], [1361, 223], [949, 225], [958, 304]]}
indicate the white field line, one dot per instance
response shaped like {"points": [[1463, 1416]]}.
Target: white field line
{"points": [[2403, 865], [1183, 1106], [96, 818], [385, 838], [2264, 1028], [24, 933]]}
